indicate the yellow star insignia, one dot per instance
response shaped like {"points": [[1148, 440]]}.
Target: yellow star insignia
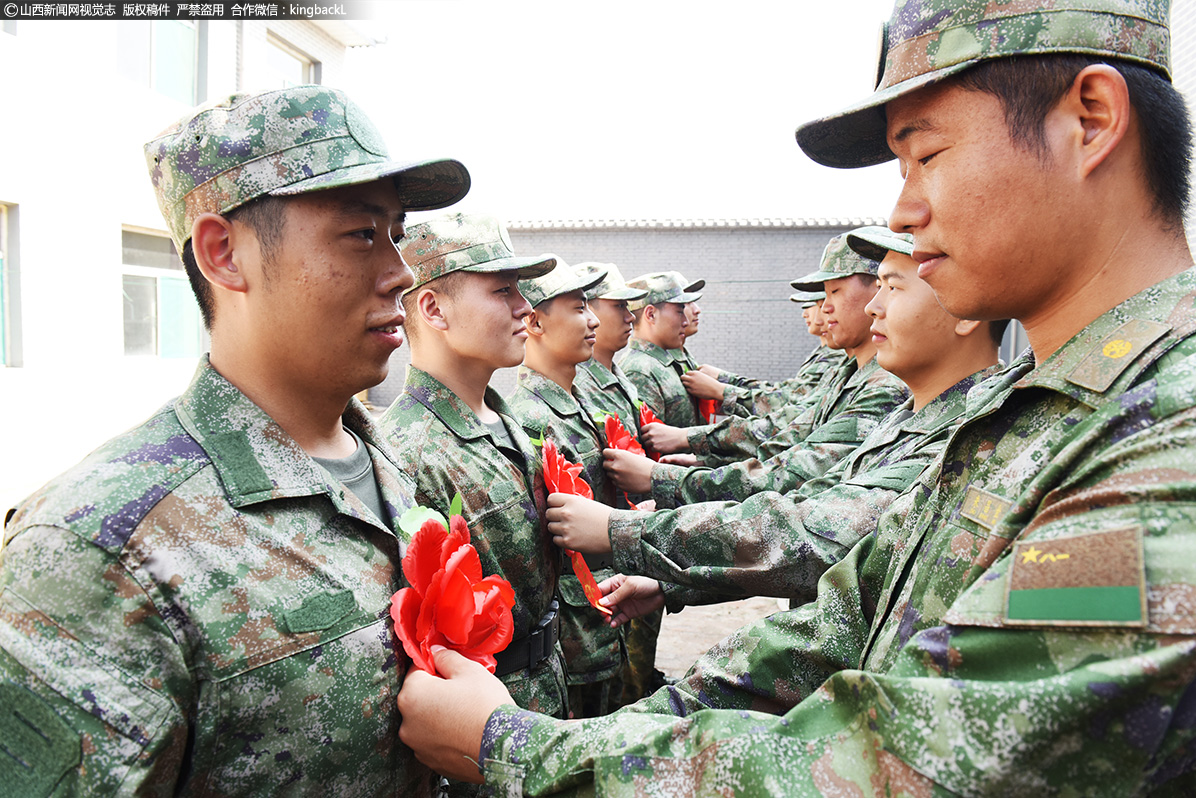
{"points": [[1030, 555]]}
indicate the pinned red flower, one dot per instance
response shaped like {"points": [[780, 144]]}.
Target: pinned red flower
{"points": [[648, 417], [617, 436], [708, 408], [562, 476], [449, 603]]}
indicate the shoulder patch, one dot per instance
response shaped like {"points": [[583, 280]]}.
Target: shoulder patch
{"points": [[1107, 360], [983, 507], [1097, 579]]}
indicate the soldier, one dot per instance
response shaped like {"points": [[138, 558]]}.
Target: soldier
{"points": [[200, 606], [453, 434], [561, 330], [652, 363], [601, 384], [755, 455], [1020, 622], [779, 545]]}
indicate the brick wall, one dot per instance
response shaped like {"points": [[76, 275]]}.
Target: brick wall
{"points": [[749, 326]]}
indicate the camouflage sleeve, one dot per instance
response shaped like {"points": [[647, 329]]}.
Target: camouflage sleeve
{"points": [[867, 407], [782, 472], [745, 747], [769, 545], [93, 702]]}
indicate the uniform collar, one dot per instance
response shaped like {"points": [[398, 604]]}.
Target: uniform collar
{"points": [[1119, 345], [602, 376], [650, 349], [561, 401], [948, 405], [448, 407], [258, 461]]}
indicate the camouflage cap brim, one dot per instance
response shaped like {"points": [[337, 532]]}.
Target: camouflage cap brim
{"points": [[807, 297], [619, 294], [927, 41], [581, 282], [526, 268], [423, 186], [695, 286], [876, 242], [813, 282]]}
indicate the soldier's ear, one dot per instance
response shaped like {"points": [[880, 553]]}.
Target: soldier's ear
{"points": [[219, 248], [650, 313], [1098, 108], [533, 323], [965, 327], [429, 307]]}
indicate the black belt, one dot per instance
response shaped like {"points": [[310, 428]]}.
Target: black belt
{"points": [[529, 651]]}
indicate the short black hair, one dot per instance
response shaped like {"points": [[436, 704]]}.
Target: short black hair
{"points": [[1029, 86], [266, 216]]}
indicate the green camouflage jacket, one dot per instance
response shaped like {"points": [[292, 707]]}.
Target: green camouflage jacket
{"points": [[826, 432], [441, 442], [593, 650], [608, 391], [656, 375], [196, 608], [779, 544], [738, 438], [1022, 622], [745, 396]]}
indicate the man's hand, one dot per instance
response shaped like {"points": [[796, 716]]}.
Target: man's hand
{"points": [[631, 473], [443, 719], [663, 439], [710, 371], [684, 459], [630, 597], [578, 523], [703, 386]]}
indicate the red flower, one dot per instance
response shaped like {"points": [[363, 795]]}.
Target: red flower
{"points": [[617, 436], [560, 475], [648, 417], [708, 407], [449, 603]]}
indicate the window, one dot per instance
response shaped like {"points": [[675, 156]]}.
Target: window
{"points": [[289, 66], [160, 314], [161, 54]]}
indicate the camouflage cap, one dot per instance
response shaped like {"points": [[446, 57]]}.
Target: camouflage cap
{"points": [[461, 243], [561, 280], [689, 287], [612, 286], [876, 242], [808, 298], [663, 287], [838, 260], [284, 142], [928, 40]]}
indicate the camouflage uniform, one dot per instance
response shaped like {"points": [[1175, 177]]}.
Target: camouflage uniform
{"points": [[657, 379], [209, 611], [744, 396], [825, 434], [608, 391], [656, 372], [594, 655], [1021, 622], [441, 442]]}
